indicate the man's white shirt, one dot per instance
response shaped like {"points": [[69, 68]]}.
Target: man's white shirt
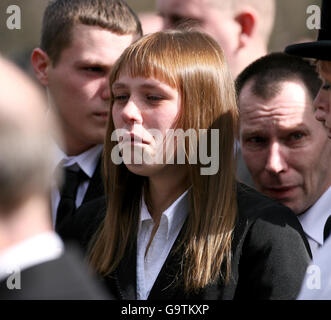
{"points": [[317, 282], [314, 219]]}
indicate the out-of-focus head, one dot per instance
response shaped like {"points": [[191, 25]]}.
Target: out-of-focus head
{"points": [[286, 150], [192, 66], [150, 22], [80, 42], [26, 160], [241, 27]]}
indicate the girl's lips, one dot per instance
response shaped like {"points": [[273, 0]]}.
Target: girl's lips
{"points": [[132, 138]]}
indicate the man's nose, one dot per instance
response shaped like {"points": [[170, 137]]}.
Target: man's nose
{"points": [[105, 90], [276, 162]]}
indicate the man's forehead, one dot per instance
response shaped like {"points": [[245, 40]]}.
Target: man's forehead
{"points": [[85, 33], [292, 107], [279, 120], [274, 125], [292, 97], [96, 45], [275, 108]]}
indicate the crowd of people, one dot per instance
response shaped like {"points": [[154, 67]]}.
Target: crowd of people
{"points": [[185, 163]]}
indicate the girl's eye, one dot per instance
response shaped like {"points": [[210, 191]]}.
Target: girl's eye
{"points": [[154, 98], [120, 97]]}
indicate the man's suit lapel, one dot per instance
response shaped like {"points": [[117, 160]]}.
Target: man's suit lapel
{"points": [[95, 188]]}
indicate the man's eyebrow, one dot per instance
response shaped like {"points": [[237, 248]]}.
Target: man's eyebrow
{"points": [[299, 127], [286, 130], [253, 133], [91, 62]]}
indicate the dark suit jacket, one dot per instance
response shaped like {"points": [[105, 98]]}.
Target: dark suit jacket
{"points": [[270, 256], [65, 278]]}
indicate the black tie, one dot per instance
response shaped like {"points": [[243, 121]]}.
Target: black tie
{"points": [[327, 228], [68, 193]]}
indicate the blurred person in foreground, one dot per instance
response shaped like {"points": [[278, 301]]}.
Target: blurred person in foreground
{"points": [[150, 22], [33, 261]]}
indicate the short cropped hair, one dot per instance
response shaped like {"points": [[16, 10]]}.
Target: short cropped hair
{"points": [[268, 73], [62, 15]]}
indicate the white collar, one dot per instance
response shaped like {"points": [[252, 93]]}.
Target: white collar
{"points": [[175, 214], [313, 220], [30, 252], [87, 161]]}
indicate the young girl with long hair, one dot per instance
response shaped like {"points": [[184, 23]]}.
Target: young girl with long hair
{"points": [[182, 229]]}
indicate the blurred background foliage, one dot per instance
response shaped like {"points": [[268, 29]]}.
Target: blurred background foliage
{"points": [[290, 25]]}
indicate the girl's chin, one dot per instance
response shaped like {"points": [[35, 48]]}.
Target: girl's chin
{"points": [[145, 170]]}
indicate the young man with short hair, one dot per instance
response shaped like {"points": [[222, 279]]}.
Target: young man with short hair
{"points": [[80, 42]]}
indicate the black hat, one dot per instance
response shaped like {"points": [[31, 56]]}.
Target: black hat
{"points": [[320, 49]]}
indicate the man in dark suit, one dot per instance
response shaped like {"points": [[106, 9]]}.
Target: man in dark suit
{"points": [[33, 261], [80, 42]]}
